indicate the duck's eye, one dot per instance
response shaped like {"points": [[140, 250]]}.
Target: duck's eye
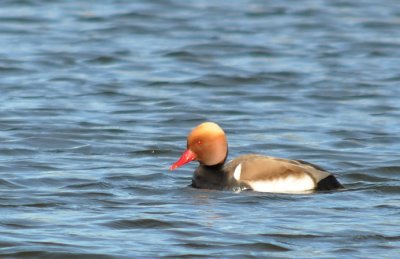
{"points": [[198, 142]]}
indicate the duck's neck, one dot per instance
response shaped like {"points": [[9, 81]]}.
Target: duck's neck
{"points": [[213, 168], [210, 177]]}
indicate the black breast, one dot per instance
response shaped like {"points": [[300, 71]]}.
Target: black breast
{"points": [[210, 177]]}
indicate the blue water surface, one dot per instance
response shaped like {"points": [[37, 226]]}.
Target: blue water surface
{"points": [[97, 98]]}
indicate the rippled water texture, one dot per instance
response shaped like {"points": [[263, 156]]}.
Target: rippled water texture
{"points": [[97, 98]]}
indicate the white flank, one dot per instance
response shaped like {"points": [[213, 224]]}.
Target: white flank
{"points": [[237, 172], [289, 184]]}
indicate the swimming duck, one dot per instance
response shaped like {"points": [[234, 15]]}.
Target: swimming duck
{"points": [[208, 145]]}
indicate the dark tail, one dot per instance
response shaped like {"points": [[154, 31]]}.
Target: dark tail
{"points": [[329, 183]]}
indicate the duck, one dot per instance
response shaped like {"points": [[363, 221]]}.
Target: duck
{"points": [[207, 143]]}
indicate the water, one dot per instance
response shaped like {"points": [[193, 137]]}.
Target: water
{"points": [[97, 99]]}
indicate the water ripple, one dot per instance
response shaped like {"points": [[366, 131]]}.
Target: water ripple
{"points": [[97, 99]]}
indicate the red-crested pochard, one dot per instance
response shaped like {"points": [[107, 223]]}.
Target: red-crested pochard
{"points": [[207, 144]]}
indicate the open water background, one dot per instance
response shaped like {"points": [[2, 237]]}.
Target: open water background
{"points": [[97, 98]]}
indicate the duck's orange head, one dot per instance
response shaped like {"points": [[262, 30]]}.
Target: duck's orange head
{"points": [[207, 144]]}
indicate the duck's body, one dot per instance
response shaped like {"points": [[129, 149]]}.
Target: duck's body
{"points": [[207, 144], [264, 174]]}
